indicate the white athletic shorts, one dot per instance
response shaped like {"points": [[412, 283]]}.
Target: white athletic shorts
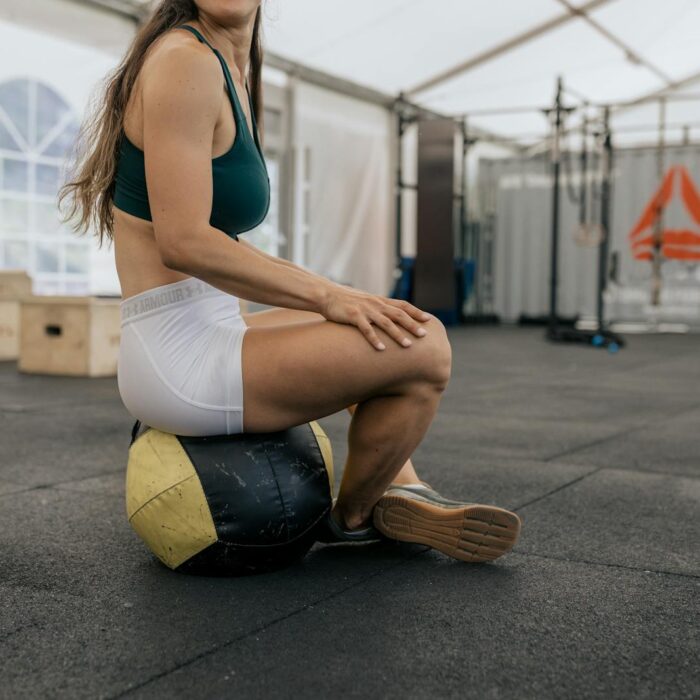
{"points": [[179, 367]]}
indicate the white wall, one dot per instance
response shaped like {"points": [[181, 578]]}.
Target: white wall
{"points": [[350, 220]]}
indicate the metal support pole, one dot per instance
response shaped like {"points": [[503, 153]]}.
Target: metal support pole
{"points": [[554, 250], [465, 190], [583, 190], [658, 233], [399, 186], [605, 219]]}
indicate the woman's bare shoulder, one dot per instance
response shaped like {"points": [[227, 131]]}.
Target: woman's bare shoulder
{"points": [[182, 75], [176, 49], [174, 59]]}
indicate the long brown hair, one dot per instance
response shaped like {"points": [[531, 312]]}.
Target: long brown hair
{"points": [[91, 187]]}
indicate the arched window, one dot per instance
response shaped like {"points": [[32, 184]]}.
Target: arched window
{"points": [[37, 129]]}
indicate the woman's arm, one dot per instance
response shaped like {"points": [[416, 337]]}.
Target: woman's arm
{"points": [[280, 261], [224, 263], [182, 102]]}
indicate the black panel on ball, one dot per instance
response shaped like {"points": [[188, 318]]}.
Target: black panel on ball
{"points": [[222, 559], [266, 492]]}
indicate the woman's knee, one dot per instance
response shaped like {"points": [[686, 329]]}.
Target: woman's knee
{"points": [[435, 354]]}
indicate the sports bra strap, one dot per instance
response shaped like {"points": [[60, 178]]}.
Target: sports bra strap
{"points": [[198, 34], [238, 112]]}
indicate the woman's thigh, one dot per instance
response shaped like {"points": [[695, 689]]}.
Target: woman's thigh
{"points": [[278, 316], [296, 372]]}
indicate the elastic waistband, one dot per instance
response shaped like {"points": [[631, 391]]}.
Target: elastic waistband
{"points": [[164, 295]]}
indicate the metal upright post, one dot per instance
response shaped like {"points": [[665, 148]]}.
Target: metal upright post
{"points": [[658, 233], [555, 331], [583, 190], [465, 191], [554, 251], [401, 286], [604, 248], [399, 183]]}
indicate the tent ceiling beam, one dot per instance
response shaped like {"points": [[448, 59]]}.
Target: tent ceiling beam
{"points": [[661, 92], [504, 47], [617, 107], [366, 94], [629, 52]]}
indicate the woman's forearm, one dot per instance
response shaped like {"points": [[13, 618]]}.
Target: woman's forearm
{"points": [[281, 261], [244, 271]]}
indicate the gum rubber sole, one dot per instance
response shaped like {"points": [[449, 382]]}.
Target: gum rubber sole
{"points": [[471, 533]]}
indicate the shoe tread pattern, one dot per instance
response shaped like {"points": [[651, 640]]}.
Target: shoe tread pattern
{"points": [[472, 533]]}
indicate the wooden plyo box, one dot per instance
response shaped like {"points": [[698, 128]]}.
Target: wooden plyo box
{"points": [[77, 336], [15, 285]]}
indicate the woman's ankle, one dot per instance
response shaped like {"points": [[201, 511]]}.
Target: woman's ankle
{"points": [[407, 481], [350, 520]]}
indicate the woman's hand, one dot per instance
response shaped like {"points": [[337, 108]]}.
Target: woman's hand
{"points": [[347, 305]]}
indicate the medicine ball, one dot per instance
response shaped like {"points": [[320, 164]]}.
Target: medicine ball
{"points": [[229, 504]]}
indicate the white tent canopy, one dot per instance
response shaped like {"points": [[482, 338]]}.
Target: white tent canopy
{"points": [[352, 60], [511, 53]]}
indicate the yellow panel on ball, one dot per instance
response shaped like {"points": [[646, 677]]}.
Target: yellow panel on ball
{"points": [[177, 524], [326, 448], [156, 463], [166, 504]]}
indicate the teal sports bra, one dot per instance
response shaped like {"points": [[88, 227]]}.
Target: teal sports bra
{"points": [[241, 184]]}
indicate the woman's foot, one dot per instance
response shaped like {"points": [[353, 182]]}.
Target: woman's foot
{"points": [[466, 531], [332, 531]]}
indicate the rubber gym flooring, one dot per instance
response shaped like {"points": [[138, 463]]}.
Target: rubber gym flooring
{"points": [[598, 453]]}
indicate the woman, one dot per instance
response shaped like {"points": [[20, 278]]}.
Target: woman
{"points": [[188, 357]]}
